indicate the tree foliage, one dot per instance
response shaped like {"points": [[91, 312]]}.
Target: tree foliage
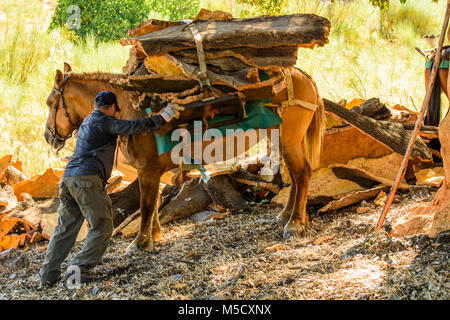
{"points": [[384, 4], [261, 7], [175, 9], [276, 7], [105, 19]]}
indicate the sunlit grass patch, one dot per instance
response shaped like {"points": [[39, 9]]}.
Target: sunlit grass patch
{"points": [[29, 57]]}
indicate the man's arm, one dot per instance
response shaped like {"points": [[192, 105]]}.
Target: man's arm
{"points": [[129, 127]]}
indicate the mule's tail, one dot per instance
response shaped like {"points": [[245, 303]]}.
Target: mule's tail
{"points": [[433, 115], [313, 137]]}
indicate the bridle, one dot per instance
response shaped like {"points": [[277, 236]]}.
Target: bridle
{"points": [[56, 137]]}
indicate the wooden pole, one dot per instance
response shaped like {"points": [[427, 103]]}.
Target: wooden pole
{"points": [[419, 121], [420, 51]]}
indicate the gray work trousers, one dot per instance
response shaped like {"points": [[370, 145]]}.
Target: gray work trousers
{"points": [[82, 197]]}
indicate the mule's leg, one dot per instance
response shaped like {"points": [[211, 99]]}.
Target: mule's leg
{"points": [[285, 214], [298, 222], [296, 121], [443, 194], [149, 186], [156, 226]]}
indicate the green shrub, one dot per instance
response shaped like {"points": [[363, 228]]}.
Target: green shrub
{"points": [[104, 19], [384, 4], [251, 8], [175, 9]]}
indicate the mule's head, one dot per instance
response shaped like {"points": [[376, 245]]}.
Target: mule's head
{"points": [[62, 117]]}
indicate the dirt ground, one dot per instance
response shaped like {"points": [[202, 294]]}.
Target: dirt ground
{"points": [[243, 256]]}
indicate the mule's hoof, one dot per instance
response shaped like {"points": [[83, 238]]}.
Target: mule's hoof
{"points": [[293, 232]]}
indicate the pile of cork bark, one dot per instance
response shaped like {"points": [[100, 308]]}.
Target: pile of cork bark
{"points": [[214, 55]]}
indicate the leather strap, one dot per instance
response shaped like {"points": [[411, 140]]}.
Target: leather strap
{"points": [[300, 103], [292, 101], [203, 74]]}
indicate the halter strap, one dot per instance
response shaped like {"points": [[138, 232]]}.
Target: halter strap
{"points": [[54, 133], [60, 93]]}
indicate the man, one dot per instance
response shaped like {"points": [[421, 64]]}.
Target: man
{"points": [[82, 188]]}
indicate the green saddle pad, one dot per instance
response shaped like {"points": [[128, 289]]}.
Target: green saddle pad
{"points": [[258, 117], [442, 64]]}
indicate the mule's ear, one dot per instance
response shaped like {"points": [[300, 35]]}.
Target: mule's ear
{"points": [[59, 78], [67, 67]]}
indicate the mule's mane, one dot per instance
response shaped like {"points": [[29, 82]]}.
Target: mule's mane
{"points": [[99, 76]]}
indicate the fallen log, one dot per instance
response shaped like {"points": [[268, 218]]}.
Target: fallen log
{"points": [[245, 177], [223, 193], [125, 223], [168, 193], [352, 198], [125, 202], [304, 30], [410, 126], [428, 132], [374, 109], [191, 199], [392, 135]]}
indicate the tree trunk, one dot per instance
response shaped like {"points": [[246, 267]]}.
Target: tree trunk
{"points": [[390, 134]]}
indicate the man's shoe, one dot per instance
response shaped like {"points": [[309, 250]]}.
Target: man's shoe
{"points": [[45, 282], [48, 284], [85, 277]]}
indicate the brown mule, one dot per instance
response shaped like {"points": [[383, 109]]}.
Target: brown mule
{"points": [[442, 82], [432, 117], [71, 100]]}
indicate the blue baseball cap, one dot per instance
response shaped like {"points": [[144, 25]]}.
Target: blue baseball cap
{"points": [[105, 98]]}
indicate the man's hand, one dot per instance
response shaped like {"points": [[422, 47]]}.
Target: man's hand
{"points": [[171, 111]]}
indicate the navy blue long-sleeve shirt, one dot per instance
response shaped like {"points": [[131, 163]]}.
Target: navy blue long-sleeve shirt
{"points": [[96, 142]]}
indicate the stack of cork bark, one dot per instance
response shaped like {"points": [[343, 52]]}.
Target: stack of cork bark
{"points": [[175, 61]]}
